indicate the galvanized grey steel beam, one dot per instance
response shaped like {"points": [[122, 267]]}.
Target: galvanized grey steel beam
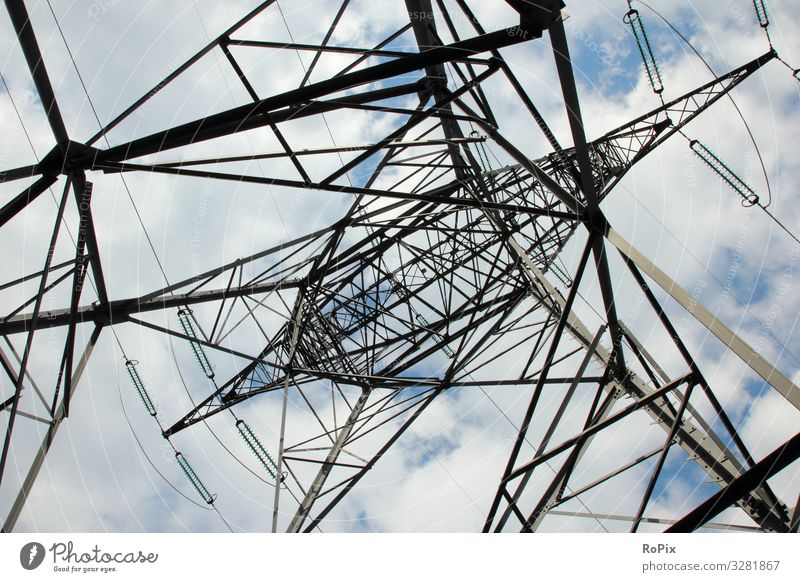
{"points": [[740, 488], [328, 463], [291, 350], [711, 458], [736, 344], [655, 520]]}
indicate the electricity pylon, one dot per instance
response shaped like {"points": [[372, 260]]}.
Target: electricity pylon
{"points": [[444, 265]]}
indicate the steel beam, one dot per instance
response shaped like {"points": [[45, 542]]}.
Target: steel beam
{"points": [[712, 459], [33, 56], [330, 460], [119, 310], [297, 320], [740, 488], [737, 345], [44, 448], [233, 120]]}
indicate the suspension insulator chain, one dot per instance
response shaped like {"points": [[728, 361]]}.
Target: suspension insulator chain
{"points": [[480, 149], [761, 12], [763, 20], [560, 274], [194, 479], [187, 323], [130, 366], [257, 448], [749, 197], [633, 19], [427, 326]]}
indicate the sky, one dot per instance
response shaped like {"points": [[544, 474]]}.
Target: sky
{"points": [[109, 469]]}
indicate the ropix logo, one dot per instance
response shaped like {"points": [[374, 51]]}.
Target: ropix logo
{"points": [[31, 555]]}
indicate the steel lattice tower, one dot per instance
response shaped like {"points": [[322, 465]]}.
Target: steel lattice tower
{"points": [[442, 267]]}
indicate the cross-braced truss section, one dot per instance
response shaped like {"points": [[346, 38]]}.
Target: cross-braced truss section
{"points": [[437, 270]]}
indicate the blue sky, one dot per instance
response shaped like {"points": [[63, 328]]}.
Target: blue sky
{"points": [[693, 228]]}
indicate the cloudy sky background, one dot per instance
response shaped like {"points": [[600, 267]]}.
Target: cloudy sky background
{"points": [[442, 474]]}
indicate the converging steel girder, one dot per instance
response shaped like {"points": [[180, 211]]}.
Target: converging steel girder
{"points": [[765, 514], [518, 218], [616, 152], [73, 159]]}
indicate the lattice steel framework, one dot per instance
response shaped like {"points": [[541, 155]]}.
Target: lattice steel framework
{"points": [[442, 262]]}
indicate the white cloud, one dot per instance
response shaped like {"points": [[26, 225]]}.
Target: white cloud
{"points": [[442, 474]]}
